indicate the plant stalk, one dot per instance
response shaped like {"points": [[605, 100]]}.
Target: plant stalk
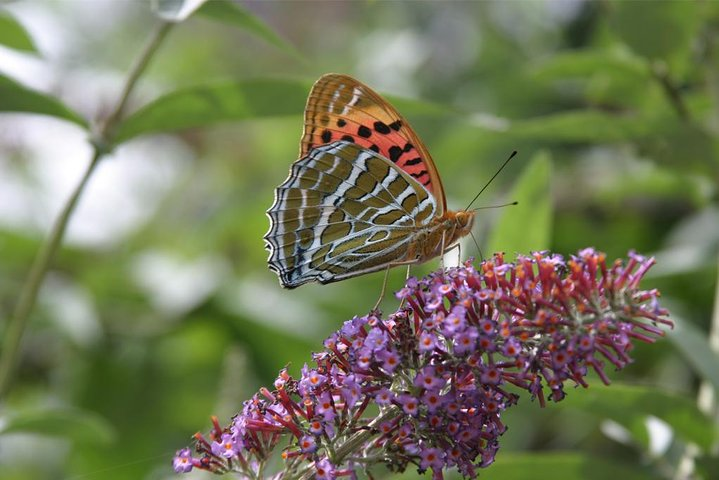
{"points": [[102, 143]]}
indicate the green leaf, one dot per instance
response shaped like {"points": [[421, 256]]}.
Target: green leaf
{"points": [[612, 77], [13, 34], [235, 14], [528, 225], [17, 98], [78, 425], [588, 63], [629, 405], [176, 11], [693, 345], [551, 466], [659, 32], [580, 126], [211, 104]]}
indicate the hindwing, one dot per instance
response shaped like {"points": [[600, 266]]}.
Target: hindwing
{"points": [[344, 211]]}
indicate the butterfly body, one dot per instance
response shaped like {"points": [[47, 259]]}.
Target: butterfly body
{"points": [[442, 234], [363, 196]]}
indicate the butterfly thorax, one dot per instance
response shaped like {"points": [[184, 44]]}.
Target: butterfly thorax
{"points": [[441, 234]]}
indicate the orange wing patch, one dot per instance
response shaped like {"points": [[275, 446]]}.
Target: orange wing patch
{"points": [[342, 108]]}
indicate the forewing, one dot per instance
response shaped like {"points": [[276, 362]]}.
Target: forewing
{"points": [[343, 211], [342, 108]]}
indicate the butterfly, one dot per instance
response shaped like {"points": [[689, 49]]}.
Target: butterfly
{"points": [[363, 196]]}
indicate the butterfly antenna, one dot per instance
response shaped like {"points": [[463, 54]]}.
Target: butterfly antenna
{"points": [[476, 244], [491, 179], [497, 206]]}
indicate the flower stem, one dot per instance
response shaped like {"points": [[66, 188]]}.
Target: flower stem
{"points": [[349, 446], [101, 146]]}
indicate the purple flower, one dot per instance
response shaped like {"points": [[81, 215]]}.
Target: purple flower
{"points": [[182, 463], [225, 447], [351, 390], [409, 404], [432, 458], [427, 385], [455, 321], [427, 378], [376, 339], [390, 359], [308, 444], [384, 397], [324, 470], [466, 342], [311, 379], [316, 427], [432, 400], [364, 358], [427, 342]]}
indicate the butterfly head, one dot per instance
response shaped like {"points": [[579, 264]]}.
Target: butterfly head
{"points": [[455, 225], [463, 222]]}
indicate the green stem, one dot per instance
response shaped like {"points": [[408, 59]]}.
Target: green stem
{"points": [[350, 445], [660, 73], [28, 295]]}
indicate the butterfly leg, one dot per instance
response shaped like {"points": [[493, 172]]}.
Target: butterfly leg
{"points": [[384, 288], [441, 257], [459, 253], [406, 277]]}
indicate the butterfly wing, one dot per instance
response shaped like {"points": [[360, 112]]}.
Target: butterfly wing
{"points": [[342, 108], [344, 211]]}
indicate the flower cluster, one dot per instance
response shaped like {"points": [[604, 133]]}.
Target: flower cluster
{"points": [[427, 386]]}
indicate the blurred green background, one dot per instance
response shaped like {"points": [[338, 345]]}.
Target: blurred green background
{"points": [[159, 310]]}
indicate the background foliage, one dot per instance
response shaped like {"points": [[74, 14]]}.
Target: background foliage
{"points": [[159, 310]]}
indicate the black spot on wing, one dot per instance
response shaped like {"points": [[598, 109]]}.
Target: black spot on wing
{"points": [[381, 127], [326, 136], [348, 138], [396, 125], [413, 161], [364, 132], [394, 153], [341, 122], [374, 148]]}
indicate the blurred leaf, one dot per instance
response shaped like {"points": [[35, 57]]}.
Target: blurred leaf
{"points": [[235, 14], [211, 104], [17, 98], [613, 78], [706, 466], [413, 107], [588, 126], [589, 62], [13, 34], [629, 405], [175, 10], [657, 32], [528, 225], [684, 145], [551, 466], [693, 345], [79, 425]]}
